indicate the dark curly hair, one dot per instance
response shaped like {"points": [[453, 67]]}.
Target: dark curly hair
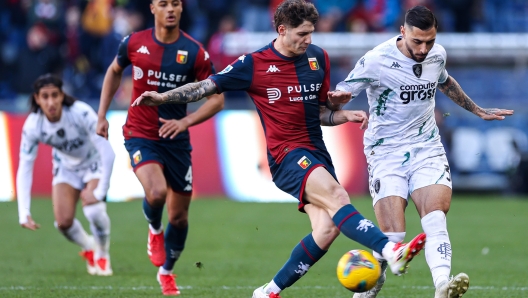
{"points": [[45, 80], [292, 13]]}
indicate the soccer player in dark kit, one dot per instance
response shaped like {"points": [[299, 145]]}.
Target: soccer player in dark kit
{"points": [[157, 139], [288, 81]]}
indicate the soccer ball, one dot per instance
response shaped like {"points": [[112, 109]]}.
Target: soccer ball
{"points": [[358, 270]]}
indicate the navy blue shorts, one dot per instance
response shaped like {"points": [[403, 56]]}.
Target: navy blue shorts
{"points": [[291, 174], [173, 157]]}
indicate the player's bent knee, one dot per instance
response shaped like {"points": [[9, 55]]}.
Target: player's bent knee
{"points": [[325, 236], [156, 196], [63, 224]]}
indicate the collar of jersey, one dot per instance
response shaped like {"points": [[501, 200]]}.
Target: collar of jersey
{"points": [[272, 47], [153, 33]]}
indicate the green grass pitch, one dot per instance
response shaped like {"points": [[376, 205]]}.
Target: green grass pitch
{"points": [[242, 245]]}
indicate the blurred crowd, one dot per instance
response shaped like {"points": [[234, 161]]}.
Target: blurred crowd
{"points": [[78, 38]]}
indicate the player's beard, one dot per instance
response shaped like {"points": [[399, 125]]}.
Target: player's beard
{"points": [[414, 56]]}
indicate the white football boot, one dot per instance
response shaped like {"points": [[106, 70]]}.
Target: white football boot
{"points": [[372, 293], [454, 288]]}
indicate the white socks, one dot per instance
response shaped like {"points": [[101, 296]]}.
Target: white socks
{"points": [[437, 246], [163, 271], [77, 235], [393, 237], [100, 227], [272, 287]]}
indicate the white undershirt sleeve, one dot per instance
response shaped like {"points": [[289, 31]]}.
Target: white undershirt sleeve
{"points": [[107, 160], [24, 179]]}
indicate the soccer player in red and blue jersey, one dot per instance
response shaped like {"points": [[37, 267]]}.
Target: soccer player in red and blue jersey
{"points": [[157, 139], [288, 81]]}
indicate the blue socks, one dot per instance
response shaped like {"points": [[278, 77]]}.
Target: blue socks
{"points": [[152, 214], [174, 244], [303, 256], [353, 225]]}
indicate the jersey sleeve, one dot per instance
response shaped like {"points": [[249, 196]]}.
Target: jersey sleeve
{"points": [[122, 52], [323, 95], [443, 72], [203, 66], [236, 76], [88, 120], [366, 73], [24, 178]]}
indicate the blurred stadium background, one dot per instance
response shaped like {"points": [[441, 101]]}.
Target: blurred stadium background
{"points": [[487, 46]]}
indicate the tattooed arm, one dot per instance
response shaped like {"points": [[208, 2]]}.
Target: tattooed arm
{"points": [[452, 89], [184, 94]]}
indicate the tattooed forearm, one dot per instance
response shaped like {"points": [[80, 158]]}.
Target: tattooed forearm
{"points": [[190, 92], [452, 89]]}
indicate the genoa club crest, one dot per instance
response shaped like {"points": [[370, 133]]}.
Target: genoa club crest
{"points": [[313, 63], [304, 162], [181, 57]]}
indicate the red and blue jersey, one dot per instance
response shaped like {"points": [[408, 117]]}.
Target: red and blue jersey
{"points": [[160, 67], [287, 92]]}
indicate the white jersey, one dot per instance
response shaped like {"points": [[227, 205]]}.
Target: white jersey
{"points": [[69, 137], [401, 96], [76, 147]]}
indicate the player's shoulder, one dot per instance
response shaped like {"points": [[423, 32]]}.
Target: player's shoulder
{"points": [[137, 36], [32, 121], [384, 49], [439, 49], [80, 108], [315, 50], [190, 41]]}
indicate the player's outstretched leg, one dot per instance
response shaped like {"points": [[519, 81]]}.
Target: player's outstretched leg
{"points": [[303, 256], [372, 293], [100, 227], [156, 242], [454, 288], [353, 225], [76, 234]]}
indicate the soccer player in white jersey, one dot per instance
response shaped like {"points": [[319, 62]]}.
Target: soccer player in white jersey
{"points": [[402, 143], [82, 165]]}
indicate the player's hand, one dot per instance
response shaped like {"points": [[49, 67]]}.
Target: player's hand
{"points": [[88, 197], [30, 224], [149, 98], [358, 117], [102, 127], [339, 97], [170, 128], [494, 114]]}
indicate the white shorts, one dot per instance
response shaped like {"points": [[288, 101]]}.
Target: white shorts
{"points": [[401, 172], [77, 178]]}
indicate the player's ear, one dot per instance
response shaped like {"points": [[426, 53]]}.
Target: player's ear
{"points": [[152, 7], [402, 30], [281, 29]]}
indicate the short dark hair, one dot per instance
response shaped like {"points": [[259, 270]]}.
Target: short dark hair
{"points": [[292, 13], [421, 17], [45, 80]]}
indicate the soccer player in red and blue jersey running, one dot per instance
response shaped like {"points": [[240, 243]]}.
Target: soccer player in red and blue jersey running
{"points": [[288, 81], [157, 139]]}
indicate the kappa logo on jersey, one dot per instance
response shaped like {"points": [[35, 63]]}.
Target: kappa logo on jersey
{"points": [[206, 56], [304, 162], [273, 68], [181, 56], [138, 73], [241, 58], [143, 50], [137, 157], [274, 94], [396, 65], [362, 61], [417, 69], [226, 70], [314, 65]]}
